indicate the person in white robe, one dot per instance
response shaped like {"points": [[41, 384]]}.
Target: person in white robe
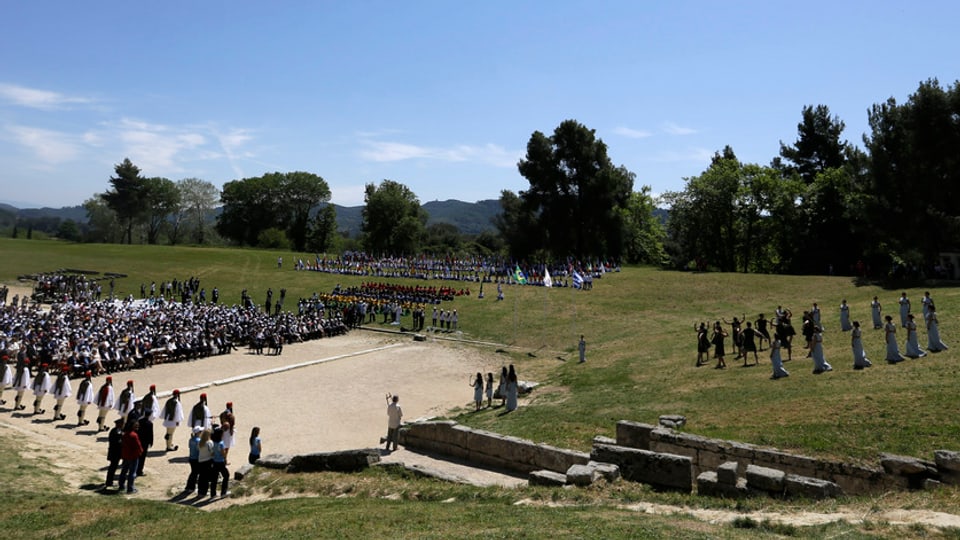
{"points": [[6, 379], [860, 360], [845, 325], [934, 344], [912, 348], [105, 398], [890, 335], [875, 311], [85, 397], [904, 308], [125, 401], [926, 302], [151, 404], [61, 391], [778, 370], [820, 364], [200, 414], [22, 381], [41, 387], [172, 416]]}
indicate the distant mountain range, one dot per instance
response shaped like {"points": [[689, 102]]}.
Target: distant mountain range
{"points": [[469, 218]]}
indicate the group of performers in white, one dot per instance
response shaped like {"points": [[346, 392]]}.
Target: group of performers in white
{"points": [[745, 339], [103, 399]]}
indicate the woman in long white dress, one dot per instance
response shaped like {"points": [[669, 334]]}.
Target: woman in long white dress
{"points": [[904, 308], [893, 350], [875, 310], [776, 361], [845, 316], [933, 331], [912, 349], [860, 360], [819, 362]]}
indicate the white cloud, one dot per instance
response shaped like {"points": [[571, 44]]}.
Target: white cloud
{"points": [[490, 154], [47, 145], [674, 129], [631, 133], [38, 99], [350, 195]]}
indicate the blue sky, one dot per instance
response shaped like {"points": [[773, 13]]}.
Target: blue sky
{"points": [[441, 96]]}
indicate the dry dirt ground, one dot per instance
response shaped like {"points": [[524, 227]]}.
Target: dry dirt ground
{"points": [[319, 396]]}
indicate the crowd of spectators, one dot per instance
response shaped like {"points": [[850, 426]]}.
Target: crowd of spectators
{"points": [[77, 334]]}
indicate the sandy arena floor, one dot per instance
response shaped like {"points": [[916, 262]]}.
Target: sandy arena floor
{"points": [[318, 396]]}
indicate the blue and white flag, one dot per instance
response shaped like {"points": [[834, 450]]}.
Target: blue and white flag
{"points": [[577, 280]]}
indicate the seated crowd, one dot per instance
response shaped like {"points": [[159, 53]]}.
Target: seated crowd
{"points": [[106, 336]]}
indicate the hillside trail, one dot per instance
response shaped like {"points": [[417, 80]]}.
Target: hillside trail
{"points": [[322, 395]]}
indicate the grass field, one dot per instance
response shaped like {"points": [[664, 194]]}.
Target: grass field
{"points": [[641, 354]]}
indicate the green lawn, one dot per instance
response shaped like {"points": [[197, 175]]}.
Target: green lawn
{"points": [[641, 353]]}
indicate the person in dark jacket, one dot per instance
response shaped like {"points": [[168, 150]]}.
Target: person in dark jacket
{"points": [[114, 447], [145, 432], [130, 452]]}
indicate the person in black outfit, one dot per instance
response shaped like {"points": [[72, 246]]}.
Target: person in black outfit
{"points": [[145, 432], [114, 446]]}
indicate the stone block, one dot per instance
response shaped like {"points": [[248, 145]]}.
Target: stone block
{"points": [[673, 421], [662, 471], [342, 461], [707, 484], [907, 465], [582, 475], [547, 478], [600, 439], [765, 479], [930, 483], [274, 461], [811, 488], [242, 472], [727, 473], [609, 471], [947, 460], [634, 434]]}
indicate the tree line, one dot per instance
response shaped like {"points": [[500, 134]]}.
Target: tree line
{"points": [[821, 205]]}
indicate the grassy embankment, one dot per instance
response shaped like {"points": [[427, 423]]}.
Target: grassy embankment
{"points": [[639, 329]]}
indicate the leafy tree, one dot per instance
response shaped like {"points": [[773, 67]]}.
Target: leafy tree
{"points": [[163, 198], [488, 243], [818, 146], [323, 230], [297, 193], [518, 226], [576, 193], [102, 222], [281, 200], [249, 207], [915, 173], [197, 200], [728, 216], [273, 238], [442, 239], [69, 231], [127, 198], [392, 219], [644, 234]]}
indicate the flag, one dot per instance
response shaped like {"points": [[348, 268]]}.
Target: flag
{"points": [[518, 275], [547, 282], [577, 280]]}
